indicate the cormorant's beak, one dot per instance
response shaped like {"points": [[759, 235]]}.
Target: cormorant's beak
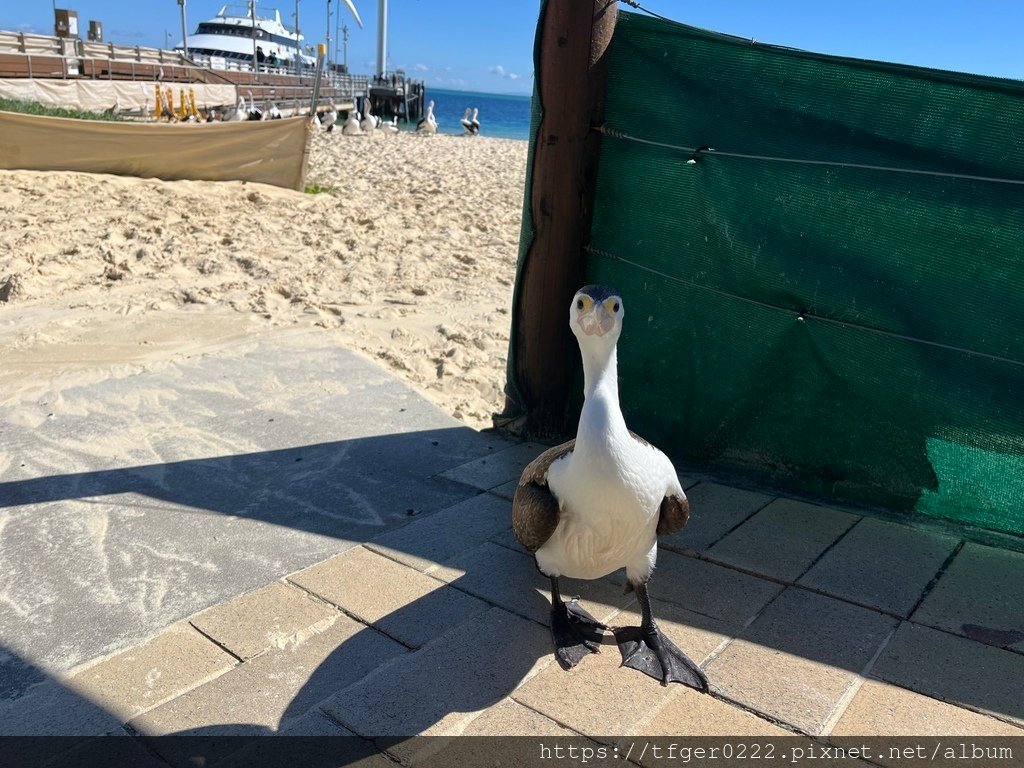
{"points": [[596, 321]]}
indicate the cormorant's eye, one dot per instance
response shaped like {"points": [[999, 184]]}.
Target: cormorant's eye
{"points": [[579, 303]]}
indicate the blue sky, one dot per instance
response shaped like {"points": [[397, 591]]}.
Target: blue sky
{"points": [[487, 45]]}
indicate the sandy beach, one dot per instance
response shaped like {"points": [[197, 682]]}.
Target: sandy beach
{"points": [[407, 256]]}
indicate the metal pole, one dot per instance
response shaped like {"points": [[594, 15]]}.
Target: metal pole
{"points": [[298, 44], [337, 24], [344, 32], [320, 51], [382, 36], [184, 29], [328, 62], [255, 59]]}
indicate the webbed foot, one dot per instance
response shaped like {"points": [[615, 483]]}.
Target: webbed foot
{"points": [[648, 650], [575, 632]]}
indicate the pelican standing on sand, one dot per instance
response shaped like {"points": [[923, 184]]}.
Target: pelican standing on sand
{"points": [[471, 125], [597, 503], [370, 122], [255, 113], [351, 126], [240, 112], [330, 118], [427, 123]]}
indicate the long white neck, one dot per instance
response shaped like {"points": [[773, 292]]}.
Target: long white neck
{"points": [[601, 417]]}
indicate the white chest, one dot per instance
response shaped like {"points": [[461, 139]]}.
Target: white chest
{"points": [[609, 505]]}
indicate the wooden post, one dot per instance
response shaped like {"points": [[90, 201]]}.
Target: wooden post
{"points": [[573, 36]]}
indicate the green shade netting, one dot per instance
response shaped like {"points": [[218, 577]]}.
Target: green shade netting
{"points": [[848, 331]]}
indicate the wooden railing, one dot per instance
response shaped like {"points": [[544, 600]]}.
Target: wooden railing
{"points": [[44, 56]]}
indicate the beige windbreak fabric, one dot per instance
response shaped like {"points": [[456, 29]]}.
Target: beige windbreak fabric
{"points": [[132, 96], [268, 152]]}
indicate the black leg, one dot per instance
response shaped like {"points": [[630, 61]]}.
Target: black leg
{"points": [[575, 632], [646, 649]]}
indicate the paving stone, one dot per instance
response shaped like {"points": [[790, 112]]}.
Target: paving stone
{"points": [[314, 723], [273, 690], [880, 709], [510, 579], [881, 565], [714, 510], [691, 713], [980, 596], [264, 618], [398, 600], [441, 536], [707, 588], [284, 449], [954, 669], [497, 468], [799, 657], [438, 689], [783, 539], [175, 661], [508, 718], [52, 709]]}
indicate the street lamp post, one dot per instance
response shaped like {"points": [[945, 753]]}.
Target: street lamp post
{"points": [[344, 33], [184, 29]]}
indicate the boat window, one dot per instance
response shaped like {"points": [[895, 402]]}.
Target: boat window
{"points": [[238, 30]]}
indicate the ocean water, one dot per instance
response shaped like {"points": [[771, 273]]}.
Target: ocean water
{"points": [[505, 117]]}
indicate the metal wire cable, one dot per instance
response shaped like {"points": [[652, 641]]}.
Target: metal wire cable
{"points": [[805, 314], [696, 152], [635, 4]]}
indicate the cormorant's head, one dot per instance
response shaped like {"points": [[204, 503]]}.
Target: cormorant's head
{"points": [[596, 312]]}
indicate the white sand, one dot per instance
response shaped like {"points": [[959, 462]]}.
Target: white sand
{"points": [[409, 257]]}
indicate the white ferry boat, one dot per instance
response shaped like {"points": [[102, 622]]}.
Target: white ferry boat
{"points": [[228, 40]]}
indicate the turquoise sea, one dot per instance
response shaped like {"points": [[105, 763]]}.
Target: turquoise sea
{"points": [[501, 116]]}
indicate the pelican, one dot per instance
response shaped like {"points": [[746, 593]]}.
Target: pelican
{"points": [[255, 113], [597, 503], [427, 123], [470, 124], [275, 113], [370, 122], [351, 126], [391, 126], [240, 112], [330, 118]]}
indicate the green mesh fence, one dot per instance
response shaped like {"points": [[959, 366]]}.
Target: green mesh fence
{"points": [[832, 296]]}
